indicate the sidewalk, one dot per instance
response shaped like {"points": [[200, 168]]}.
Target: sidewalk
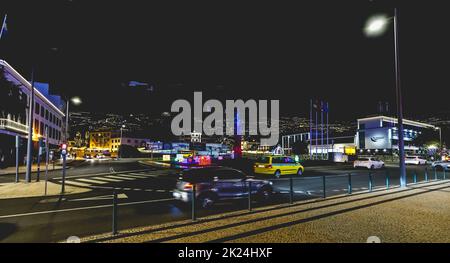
{"points": [[22, 168], [420, 213], [36, 189]]}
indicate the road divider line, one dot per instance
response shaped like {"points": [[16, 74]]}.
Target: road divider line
{"points": [[84, 208]]}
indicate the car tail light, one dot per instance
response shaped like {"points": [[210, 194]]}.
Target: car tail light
{"points": [[268, 166], [187, 186]]}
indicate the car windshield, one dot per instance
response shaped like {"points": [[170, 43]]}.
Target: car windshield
{"points": [[363, 159]]}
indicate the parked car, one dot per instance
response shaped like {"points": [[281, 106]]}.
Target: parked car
{"points": [[278, 165], [213, 184], [416, 160], [368, 162], [441, 165]]}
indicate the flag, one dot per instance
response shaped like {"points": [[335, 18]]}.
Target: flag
{"points": [[316, 104], [4, 29], [325, 107]]}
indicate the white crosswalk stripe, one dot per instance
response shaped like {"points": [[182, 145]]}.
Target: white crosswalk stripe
{"points": [[72, 182], [122, 177], [85, 180], [107, 179]]}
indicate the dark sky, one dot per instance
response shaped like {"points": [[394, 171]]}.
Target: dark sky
{"points": [[287, 50]]}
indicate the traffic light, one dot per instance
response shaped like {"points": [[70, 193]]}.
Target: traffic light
{"points": [[63, 149]]}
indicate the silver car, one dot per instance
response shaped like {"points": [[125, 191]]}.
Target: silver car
{"points": [[441, 165], [213, 184]]}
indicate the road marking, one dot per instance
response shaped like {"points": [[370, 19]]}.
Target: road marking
{"points": [[101, 197], [85, 208], [120, 177], [137, 176], [75, 183], [107, 179], [105, 173], [91, 181]]}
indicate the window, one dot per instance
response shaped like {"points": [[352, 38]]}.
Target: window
{"points": [[42, 129], [277, 160], [36, 126], [36, 108], [42, 111], [46, 114]]}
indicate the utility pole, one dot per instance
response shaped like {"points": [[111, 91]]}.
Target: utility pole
{"points": [[30, 131]]}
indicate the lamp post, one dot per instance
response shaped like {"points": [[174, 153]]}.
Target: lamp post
{"points": [[120, 145], [376, 26]]}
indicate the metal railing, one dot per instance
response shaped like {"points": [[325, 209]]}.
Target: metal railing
{"points": [[368, 182]]}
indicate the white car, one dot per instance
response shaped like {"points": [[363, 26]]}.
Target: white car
{"points": [[369, 163], [416, 160], [440, 165]]}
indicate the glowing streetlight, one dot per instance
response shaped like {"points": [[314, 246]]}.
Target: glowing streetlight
{"points": [[76, 101], [376, 25]]}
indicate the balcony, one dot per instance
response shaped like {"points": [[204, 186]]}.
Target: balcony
{"points": [[10, 125]]}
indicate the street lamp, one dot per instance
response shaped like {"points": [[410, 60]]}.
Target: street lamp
{"points": [[120, 146], [376, 26], [440, 137], [75, 101]]}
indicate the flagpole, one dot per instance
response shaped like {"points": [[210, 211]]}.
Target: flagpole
{"points": [[321, 129], [317, 133], [3, 26], [310, 129]]}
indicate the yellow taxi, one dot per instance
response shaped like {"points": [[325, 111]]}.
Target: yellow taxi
{"points": [[278, 165]]}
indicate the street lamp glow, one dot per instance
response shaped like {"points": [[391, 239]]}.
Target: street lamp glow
{"points": [[76, 100], [376, 25]]}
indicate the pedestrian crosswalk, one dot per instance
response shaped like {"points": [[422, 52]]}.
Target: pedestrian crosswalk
{"points": [[112, 181]]}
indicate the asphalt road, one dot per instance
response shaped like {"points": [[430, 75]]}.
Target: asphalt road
{"points": [[145, 198]]}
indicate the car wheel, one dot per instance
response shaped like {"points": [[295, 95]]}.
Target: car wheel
{"points": [[206, 201], [300, 172], [277, 173], [371, 167], [439, 168]]}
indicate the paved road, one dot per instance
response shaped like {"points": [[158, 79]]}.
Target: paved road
{"points": [[145, 198]]}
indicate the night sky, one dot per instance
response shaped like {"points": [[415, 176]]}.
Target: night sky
{"points": [[230, 50]]}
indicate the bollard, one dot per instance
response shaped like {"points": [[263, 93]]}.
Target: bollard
{"points": [[249, 195], [323, 185], [291, 190], [349, 189], [435, 173], [194, 216], [370, 182], [114, 215], [415, 177], [426, 174], [444, 176], [387, 179]]}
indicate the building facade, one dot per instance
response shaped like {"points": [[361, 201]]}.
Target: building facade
{"points": [[48, 115], [379, 134]]}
